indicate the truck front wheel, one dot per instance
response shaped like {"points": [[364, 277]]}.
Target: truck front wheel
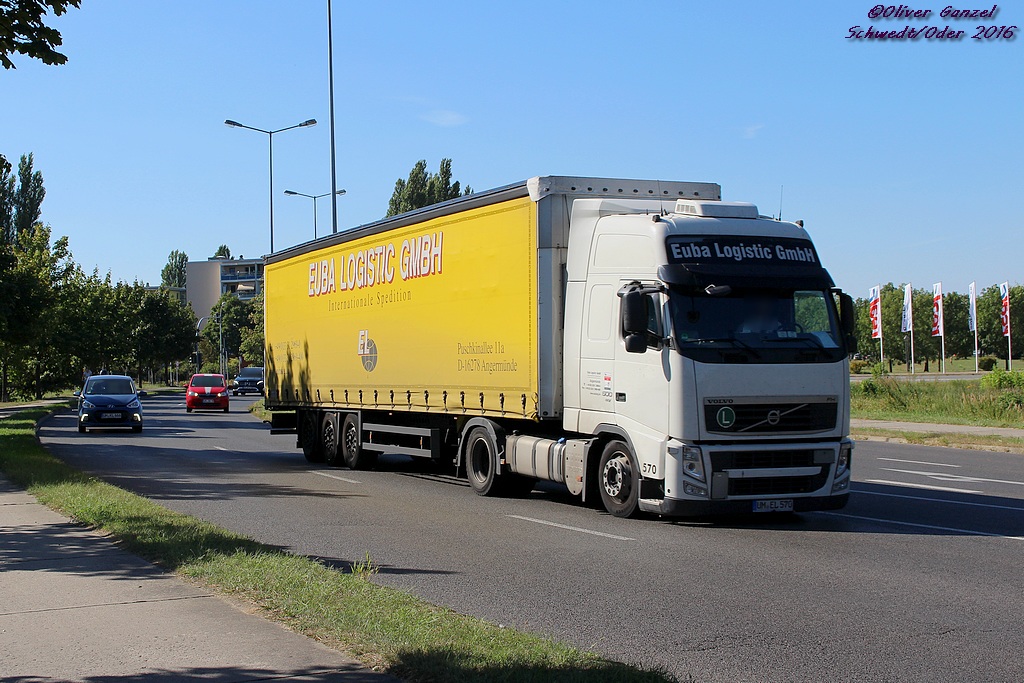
{"points": [[480, 458], [356, 457], [619, 483]]}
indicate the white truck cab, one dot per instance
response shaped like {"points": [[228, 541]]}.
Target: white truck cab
{"points": [[708, 338]]}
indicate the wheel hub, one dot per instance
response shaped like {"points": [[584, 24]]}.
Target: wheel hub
{"points": [[328, 436], [351, 439], [615, 477]]}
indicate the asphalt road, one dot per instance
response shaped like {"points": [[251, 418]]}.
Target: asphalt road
{"points": [[918, 579]]}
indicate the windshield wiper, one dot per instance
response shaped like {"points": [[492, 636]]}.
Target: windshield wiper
{"points": [[731, 340]]}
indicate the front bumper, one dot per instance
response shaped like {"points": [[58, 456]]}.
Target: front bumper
{"points": [[207, 402], [674, 507], [99, 418]]}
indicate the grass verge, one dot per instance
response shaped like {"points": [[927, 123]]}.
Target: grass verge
{"points": [[953, 402], [259, 411], [976, 442], [383, 627]]}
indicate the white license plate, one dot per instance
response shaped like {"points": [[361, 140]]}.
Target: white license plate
{"points": [[110, 416], [785, 505], [209, 400]]}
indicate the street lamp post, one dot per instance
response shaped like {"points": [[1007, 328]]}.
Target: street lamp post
{"points": [[270, 137], [199, 324], [330, 77], [314, 197]]}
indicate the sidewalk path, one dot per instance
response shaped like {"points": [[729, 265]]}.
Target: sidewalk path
{"points": [[930, 428], [74, 607]]}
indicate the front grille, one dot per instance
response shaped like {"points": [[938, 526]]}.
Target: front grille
{"points": [[735, 460], [777, 485], [767, 418]]}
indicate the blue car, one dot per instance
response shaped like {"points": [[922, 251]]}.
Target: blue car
{"points": [[109, 401]]}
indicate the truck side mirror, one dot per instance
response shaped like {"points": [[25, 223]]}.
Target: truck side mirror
{"points": [[636, 343], [848, 320], [634, 314]]}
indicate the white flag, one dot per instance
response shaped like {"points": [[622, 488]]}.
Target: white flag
{"points": [[972, 309], [908, 309], [938, 323]]}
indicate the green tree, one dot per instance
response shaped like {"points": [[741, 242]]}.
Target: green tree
{"points": [[423, 188], [223, 251], [173, 274], [28, 200], [235, 318], [22, 30], [7, 193], [252, 347]]}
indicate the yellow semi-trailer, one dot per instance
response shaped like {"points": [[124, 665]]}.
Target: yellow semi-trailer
{"points": [[588, 331]]}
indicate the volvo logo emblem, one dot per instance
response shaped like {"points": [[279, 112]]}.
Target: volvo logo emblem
{"points": [[726, 417], [773, 417]]}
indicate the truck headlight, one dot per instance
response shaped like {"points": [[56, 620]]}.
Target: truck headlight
{"points": [[845, 455], [691, 460]]}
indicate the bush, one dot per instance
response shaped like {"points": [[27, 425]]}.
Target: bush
{"points": [[987, 363], [1011, 400], [1000, 379], [857, 366]]}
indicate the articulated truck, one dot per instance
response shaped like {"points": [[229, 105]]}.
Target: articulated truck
{"points": [[644, 343]]}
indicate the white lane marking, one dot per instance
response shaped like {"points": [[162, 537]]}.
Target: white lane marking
{"points": [[935, 500], [221, 448], [919, 486], [968, 532], [335, 476], [941, 476], [919, 462], [571, 528]]}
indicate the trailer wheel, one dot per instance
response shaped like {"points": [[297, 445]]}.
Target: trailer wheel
{"points": [[480, 462], [329, 439], [619, 480], [310, 437], [356, 457]]}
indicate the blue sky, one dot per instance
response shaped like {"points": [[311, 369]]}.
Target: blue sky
{"points": [[904, 159]]}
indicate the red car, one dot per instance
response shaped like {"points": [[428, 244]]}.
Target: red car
{"points": [[206, 392]]}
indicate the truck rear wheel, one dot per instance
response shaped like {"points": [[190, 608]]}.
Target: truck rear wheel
{"points": [[356, 457], [329, 439], [619, 480], [480, 462], [310, 437]]}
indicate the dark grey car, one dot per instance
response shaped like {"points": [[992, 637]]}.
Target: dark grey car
{"points": [[109, 401], [248, 381]]}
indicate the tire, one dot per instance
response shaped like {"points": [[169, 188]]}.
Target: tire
{"points": [[619, 480], [227, 409], [136, 430], [356, 457], [81, 429], [234, 393], [481, 463], [188, 410], [329, 440], [310, 438]]}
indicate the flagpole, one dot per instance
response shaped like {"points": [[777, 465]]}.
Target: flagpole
{"points": [[973, 319]]}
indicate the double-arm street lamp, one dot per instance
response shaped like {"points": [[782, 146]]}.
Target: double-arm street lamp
{"points": [[314, 197], [270, 136]]}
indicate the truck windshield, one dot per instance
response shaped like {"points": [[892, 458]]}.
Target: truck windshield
{"points": [[760, 326]]}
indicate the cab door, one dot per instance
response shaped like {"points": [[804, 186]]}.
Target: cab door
{"points": [[641, 380]]}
